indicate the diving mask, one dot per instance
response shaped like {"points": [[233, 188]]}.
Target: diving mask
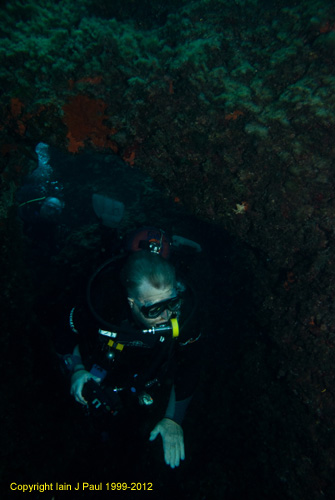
{"points": [[155, 310]]}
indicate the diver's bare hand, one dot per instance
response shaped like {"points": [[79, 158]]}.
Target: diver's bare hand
{"points": [[78, 381], [173, 441]]}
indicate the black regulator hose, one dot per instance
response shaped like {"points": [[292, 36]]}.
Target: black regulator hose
{"points": [[101, 268]]}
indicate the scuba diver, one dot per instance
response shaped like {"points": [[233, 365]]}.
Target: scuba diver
{"points": [[40, 202], [136, 328]]}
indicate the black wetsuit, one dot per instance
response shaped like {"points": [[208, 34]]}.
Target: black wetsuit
{"points": [[133, 369]]}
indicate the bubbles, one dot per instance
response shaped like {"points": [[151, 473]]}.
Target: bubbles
{"points": [[42, 151], [43, 172]]}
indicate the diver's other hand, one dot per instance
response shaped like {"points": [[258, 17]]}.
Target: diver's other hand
{"points": [[78, 380], [173, 441]]}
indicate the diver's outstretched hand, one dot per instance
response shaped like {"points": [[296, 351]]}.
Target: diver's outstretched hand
{"points": [[173, 441], [78, 381]]}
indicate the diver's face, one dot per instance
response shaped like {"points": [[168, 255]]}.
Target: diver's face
{"points": [[147, 296]]}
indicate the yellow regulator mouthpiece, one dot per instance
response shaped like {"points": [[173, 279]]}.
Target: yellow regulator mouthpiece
{"points": [[175, 327], [172, 326]]}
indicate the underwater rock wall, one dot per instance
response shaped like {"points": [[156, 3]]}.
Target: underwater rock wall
{"points": [[230, 107]]}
